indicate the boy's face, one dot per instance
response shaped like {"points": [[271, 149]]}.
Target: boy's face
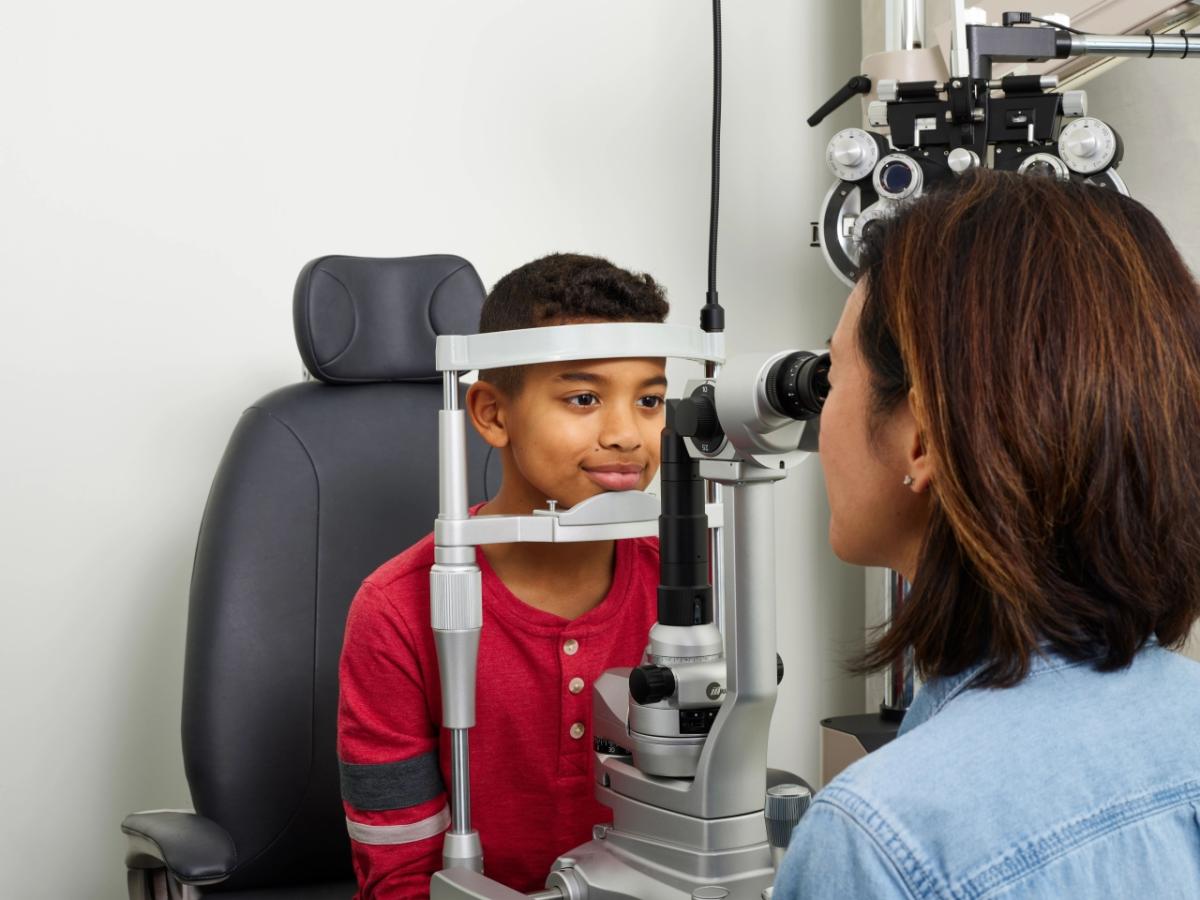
{"points": [[575, 429]]}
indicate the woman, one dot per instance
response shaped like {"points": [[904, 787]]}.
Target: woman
{"points": [[1014, 424]]}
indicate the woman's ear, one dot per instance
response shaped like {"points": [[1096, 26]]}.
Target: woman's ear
{"points": [[486, 405], [918, 461]]}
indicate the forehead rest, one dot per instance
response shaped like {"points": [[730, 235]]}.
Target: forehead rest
{"points": [[362, 319]]}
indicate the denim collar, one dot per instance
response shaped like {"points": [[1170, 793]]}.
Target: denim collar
{"points": [[935, 695]]}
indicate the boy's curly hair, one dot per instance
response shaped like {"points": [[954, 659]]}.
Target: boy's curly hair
{"points": [[562, 288]]}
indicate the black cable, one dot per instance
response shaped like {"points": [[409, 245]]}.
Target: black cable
{"points": [[487, 497], [1187, 42], [1054, 24], [712, 316], [716, 152]]}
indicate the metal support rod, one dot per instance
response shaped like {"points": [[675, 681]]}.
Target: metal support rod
{"points": [[456, 616], [752, 650], [960, 66], [1169, 45], [1047, 82], [912, 25], [716, 555], [735, 754], [452, 448], [716, 536], [460, 812], [904, 25]]}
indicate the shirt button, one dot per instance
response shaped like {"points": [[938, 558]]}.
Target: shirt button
{"points": [[577, 730], [575, 685], [570, 646]]}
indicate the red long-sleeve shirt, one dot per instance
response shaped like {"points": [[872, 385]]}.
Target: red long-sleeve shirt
{"points": [[532, 793]]}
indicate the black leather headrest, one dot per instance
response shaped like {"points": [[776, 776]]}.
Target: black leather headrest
{"points": [[360, 319]]}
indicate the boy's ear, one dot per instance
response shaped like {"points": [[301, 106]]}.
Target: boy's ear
{"points": [[488, 412]]}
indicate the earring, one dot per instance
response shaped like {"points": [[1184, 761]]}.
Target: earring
{"points": [[908, 481]]}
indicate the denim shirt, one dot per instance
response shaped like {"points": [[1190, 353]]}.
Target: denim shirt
{"points": [[1073, 784]]}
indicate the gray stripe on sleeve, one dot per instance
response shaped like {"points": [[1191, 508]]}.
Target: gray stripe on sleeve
{"points": [[380, 835], [394, 785]]}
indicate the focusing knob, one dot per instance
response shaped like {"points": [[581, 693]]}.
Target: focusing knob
{"points": [[649, 684], [695, 417], [786, 804]]}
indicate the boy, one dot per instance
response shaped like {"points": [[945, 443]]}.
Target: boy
{"points": [[555, 615]]}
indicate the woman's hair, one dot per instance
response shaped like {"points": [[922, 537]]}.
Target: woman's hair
{"points": [[1051, 332]]}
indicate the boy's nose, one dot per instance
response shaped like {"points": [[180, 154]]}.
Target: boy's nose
{"points": [[619, 430]]}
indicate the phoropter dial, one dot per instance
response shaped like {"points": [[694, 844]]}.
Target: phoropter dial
{"points": [[651, 684], [1088, 145], [852, 154], [695, 417]]}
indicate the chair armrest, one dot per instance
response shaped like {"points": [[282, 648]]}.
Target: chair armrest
{"points": [[195, 850]]}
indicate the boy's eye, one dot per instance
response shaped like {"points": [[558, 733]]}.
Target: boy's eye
{"points": [[650, 401], [583, 400]]}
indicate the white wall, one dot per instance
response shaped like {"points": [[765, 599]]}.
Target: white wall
{"points": [[1152, 105], [165, 170]]}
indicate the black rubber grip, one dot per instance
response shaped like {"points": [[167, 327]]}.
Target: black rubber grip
{"points": [[684, 594]]}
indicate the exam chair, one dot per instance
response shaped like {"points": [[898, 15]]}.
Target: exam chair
{"points": [[321, 483]]}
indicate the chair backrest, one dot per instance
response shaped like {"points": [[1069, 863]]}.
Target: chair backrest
{"points": [[321, 483]]}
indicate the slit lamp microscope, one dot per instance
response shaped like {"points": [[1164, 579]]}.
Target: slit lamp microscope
{"points": [[680, 741]]}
